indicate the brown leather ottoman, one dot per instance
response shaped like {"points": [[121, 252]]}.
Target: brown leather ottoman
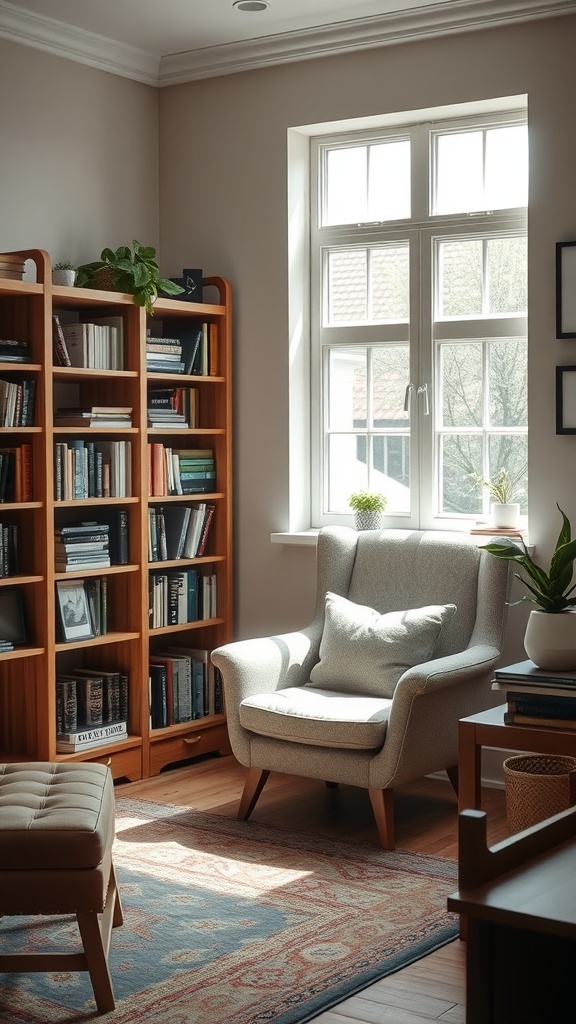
{"points": [[56, 835]]}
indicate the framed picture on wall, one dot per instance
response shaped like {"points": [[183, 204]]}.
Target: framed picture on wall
{"points": [[566, 399], [566, 289]]}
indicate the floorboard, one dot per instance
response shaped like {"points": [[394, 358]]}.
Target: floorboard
{"points": [[425, 811]]}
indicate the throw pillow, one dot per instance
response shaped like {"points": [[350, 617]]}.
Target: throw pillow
{"points": [[364, 652]]}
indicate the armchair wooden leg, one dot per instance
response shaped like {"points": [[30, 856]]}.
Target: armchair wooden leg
{"points": [[382, 801], [452, 774], [255, 782]]}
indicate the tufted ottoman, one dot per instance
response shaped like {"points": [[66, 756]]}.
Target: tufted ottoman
{"points": [[56, 835]]}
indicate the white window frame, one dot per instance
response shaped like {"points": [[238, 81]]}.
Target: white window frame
{"points": [[425, 334]]}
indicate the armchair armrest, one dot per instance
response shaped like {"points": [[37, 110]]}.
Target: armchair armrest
{"points": [[266, 663], [471, 664]]}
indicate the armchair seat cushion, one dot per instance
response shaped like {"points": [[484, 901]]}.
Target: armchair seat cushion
{"points": [[321, 718]]}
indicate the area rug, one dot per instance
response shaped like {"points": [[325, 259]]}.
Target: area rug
{"points": [[231, 922]]}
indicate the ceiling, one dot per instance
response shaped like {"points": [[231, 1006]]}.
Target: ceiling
{"points": [[165, 42]]}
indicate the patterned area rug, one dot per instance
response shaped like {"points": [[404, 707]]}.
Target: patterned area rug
{"points": [[231, 922]]}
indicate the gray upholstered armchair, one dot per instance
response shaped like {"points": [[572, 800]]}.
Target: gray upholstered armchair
{"points": [[407, 628]]}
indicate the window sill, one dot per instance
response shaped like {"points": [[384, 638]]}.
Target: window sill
{"points": [[309, 538]]}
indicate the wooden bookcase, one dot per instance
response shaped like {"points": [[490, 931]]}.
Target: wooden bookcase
{"points": [[28, 673]]}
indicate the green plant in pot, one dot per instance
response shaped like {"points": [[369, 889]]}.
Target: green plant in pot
{"points": [[505, 491], [368, 507], [550, 638], [132, 270]]}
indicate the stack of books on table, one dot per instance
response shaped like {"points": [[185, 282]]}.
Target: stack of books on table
{"points": [[80, 546], [536, 696]]}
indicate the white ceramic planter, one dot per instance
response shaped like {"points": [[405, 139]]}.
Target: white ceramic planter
{"points": [[550, 640], [368, 520], [505, 517], [65, 277]]}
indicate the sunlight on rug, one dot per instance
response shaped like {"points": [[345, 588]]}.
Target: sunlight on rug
{"points": [[229, 922]]}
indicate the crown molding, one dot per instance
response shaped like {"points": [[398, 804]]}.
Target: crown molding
{"points": [[349, 36], [63, 40], [355, 35]]}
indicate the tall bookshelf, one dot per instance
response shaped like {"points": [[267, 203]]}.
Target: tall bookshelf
{"points": [[28, 673]]}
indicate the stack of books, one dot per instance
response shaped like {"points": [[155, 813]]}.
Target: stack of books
{"points": [[98, 345], [173, 407], [80, 546], [537, 697], [91, 709], [13, 351], [180, 470], [181, 596], [164, 355], [88, 469], [97, 416]]}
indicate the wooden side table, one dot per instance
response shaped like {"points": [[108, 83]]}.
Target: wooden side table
{"points": [[487, 729], [519, 900]]}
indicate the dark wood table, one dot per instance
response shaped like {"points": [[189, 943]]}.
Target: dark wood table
{"points": [[519, 901], [487, 729]]}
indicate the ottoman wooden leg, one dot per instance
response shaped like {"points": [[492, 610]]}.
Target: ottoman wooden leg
{"points": [[95, 933]]}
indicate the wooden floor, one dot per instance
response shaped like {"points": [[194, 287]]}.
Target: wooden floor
{"points": [[426, 820]]}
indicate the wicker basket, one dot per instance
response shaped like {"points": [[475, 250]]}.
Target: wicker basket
{"points": [[103, 280], [537, 786]]}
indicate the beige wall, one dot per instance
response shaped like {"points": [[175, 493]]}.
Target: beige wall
{"points": [[78, 156], [223, 203], [78, 169]]}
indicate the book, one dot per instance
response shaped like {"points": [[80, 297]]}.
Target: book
{"points": [[176, 519], [60, 353], [516, 718], [90, 697], [528, 673], [66, 704], [208, 516], [83, 739]]}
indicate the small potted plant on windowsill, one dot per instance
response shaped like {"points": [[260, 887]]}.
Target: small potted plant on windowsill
{"points": [[368, 507], [64, 273], [504, 491]]}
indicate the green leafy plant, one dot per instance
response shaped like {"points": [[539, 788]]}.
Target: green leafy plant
{"points": [[503, 489], [63, 265], [367, 501], [550, 590], [132, 270]]}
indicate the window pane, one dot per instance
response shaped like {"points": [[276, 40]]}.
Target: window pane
{"points": [[390, 376], [507, 275], [389, 181], [461, 385], [459, 178], [347, 470], [506, 167], [347, 286], [510, 452], [345, 185], [508, 385], [367, 183], [367, 285], [460, 455], [460, 278], [481, 170], [348, 401], [390, 269]]}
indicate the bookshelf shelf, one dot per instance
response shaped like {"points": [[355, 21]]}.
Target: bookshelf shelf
{"points": [[29, 673]]}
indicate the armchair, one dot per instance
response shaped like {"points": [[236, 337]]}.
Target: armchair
{"points": [[407, 628]]}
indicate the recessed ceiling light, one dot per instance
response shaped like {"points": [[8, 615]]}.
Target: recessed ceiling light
{"points": [[251, 5]]}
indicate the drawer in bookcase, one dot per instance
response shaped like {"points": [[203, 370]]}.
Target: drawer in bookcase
{"points": [[123, 763], [184, 745]]}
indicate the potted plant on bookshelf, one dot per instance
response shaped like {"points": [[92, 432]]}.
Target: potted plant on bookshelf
{"points": [[368, 507], [550, 637], [133, 270], [504, 490], [64, 273]]}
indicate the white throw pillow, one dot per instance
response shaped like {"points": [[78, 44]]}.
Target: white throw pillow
{"points": [[364, 652]]}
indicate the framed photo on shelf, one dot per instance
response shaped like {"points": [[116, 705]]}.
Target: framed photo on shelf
{"points": [[12, 622], [74, 610], [566, 399], [566, 289]]}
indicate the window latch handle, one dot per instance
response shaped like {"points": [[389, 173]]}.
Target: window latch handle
{"points": [[423, 390], [408, 397]]}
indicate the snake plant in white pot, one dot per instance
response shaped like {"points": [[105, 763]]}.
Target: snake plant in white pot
{"points": [[550, 638]]}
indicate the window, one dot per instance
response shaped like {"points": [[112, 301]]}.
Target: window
{"points": [[418, 317]]}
